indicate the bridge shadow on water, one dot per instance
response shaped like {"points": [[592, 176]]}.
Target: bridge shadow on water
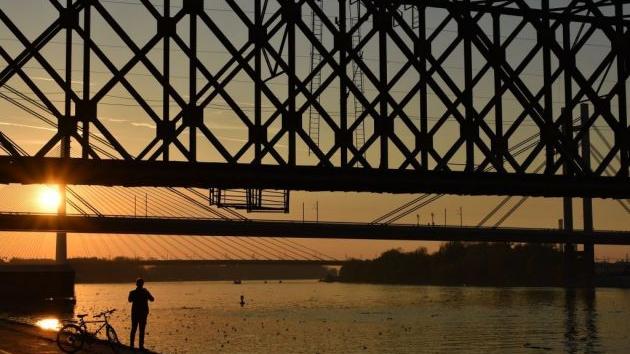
{"points": [[581, 333], [547, 319]]}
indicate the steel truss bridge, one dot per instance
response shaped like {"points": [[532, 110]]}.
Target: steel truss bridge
{"points": [[425, 127]]}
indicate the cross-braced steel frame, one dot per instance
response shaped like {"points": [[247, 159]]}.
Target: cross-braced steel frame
{"points": [[436, 135]]}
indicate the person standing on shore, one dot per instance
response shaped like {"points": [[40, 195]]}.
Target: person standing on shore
{"points": [[139, 299]]}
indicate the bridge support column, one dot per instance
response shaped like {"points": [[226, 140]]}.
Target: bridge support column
{"points": [[61, 249], [567, 205], [569, 248], [588, 257], [61, 254]]}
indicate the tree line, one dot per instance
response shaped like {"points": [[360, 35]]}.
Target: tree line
{"points": [[457, 263]]}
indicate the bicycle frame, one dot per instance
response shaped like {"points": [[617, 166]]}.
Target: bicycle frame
{"points": [[83, 324], [95, 333]]}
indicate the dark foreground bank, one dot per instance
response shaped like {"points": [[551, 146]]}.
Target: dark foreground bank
{"points": [[19, 338], [479, 264]]}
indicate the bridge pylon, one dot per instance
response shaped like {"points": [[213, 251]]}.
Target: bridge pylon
{"points": [[61, 249]]}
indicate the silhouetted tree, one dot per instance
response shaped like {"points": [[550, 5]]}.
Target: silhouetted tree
{"points": [[457, 263]]}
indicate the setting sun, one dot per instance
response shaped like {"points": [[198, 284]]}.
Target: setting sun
{"points": [[49, 198]]}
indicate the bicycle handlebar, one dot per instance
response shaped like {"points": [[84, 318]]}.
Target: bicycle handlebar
{"points": [[105, 313]]}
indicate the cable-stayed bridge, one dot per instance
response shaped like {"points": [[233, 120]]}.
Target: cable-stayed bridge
{"points": [[250, 100]]}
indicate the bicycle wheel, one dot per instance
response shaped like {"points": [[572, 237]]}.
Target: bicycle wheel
{"points": [[112, 338], [70, 338]]}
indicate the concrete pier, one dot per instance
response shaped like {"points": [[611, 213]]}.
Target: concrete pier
{"points": [[36, 285]]}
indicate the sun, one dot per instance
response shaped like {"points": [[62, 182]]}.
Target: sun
{"points": [[49, 198]]}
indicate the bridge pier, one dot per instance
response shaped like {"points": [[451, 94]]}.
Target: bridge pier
{"points": [[61, 242], [580, 271], [570, 251], [588, 256], [567, 204], [61, 253], [61, 249]]}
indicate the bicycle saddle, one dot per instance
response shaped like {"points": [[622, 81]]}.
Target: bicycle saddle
{"points": [[82, 315]]}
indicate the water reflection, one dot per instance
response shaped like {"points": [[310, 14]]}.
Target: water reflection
{"points": [[49, 324], [592, 338], [383, 319], [580, 321], [44, 314]]}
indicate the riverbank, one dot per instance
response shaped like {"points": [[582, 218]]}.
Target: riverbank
{"points": [[125, 270], [20, 338], [475, 264]]}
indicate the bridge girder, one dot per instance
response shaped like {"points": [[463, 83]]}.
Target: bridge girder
{"points": [[252, 228], [33, 170], [400, 155]]}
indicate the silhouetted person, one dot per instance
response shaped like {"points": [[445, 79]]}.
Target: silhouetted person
{"points": [[139, 299]]}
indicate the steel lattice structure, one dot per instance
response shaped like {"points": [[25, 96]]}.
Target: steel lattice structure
{"points": [[421, 115]]}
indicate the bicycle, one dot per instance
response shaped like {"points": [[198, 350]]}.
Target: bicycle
{"points": [[74, 335]]}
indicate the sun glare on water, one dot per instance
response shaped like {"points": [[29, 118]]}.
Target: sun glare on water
{"points": [[49, 198], [49, 324]]}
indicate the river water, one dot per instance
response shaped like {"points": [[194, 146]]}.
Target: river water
{"points": [[312, 317]]}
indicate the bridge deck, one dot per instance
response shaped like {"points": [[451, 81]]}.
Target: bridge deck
{"points": [[30, 170], [293, 229], [227, 262]]}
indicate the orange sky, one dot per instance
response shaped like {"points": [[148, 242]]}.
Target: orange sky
{"points": [[536, 212]]}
